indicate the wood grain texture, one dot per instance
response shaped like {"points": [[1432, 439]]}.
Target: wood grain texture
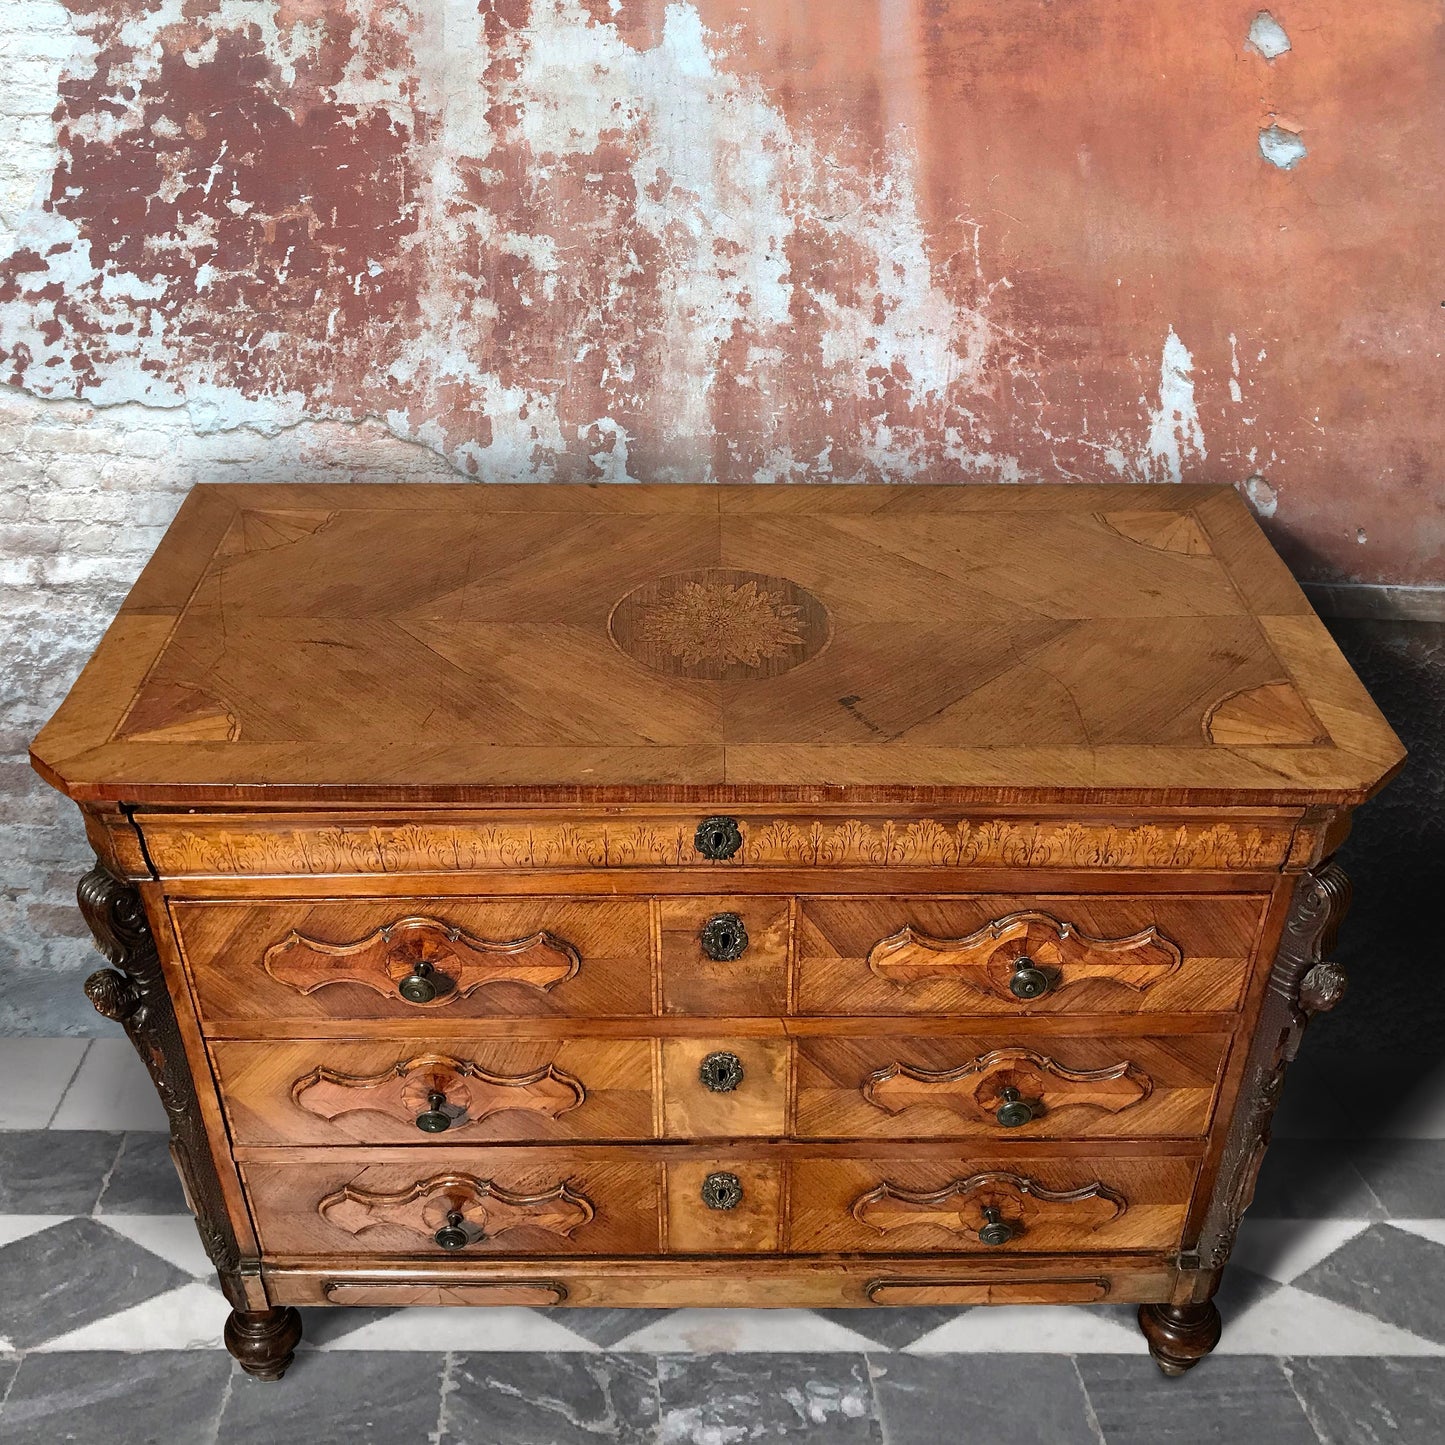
{"points": [[846, 949], [425, 638], [229, 947], [754, 983], [191, 845], [342, 1092]]}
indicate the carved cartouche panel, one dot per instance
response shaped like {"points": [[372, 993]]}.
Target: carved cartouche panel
{"points": [[424, 961], [1053, 954], [987, 1087], [133, 993], [408, 1092], [1011, 1203], [476, 1208]]}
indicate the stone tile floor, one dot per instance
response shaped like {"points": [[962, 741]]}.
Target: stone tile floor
{"points": [[110, 1322]]}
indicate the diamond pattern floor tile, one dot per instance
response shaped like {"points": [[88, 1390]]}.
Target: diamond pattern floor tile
{"points": [[1392, 1274], [1372, 1402], [72, 1274]]}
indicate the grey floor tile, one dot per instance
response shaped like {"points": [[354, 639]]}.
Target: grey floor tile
{"points": [[532, 1399], [46, 1173], [8, 1366], [73, 1273], [1025, 1399], [1389, 1273], [1372, 1402], [1406, 1175], [34, 1073], [164, 1398], [339, 1397], [1242, 1288], [144, 1180], [603, 1327], [822, 1399], [1312, 1179], [326, 1326], [1231, 1400], [895, 1329]]}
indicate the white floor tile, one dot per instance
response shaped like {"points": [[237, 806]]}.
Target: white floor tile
{"points": [[1034, 1329], [464, 1328], [188, 1318], [1292, 1322], [704, 1332], [1431, 1229], [1282, 1249], [17, 1226], [33, 1076], [111, 1091], [172, 1236]]}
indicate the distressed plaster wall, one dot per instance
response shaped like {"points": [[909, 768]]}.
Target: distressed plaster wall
{"points": [[816, 241]]}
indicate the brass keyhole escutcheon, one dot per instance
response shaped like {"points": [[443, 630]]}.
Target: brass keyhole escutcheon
{"points": [[452, 1235], [1014, 1110], [1027, 980], [718, 838], [722, 1190], [724, 937], [434, 1119], [721, 1072]]}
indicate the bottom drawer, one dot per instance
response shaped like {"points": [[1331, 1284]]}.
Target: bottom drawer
{"points": [[907, 1203]]}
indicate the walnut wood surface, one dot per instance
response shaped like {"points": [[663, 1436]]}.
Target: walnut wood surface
{"points": [[1193, 956], [986, 958], [340, 1092], [487, 643]]}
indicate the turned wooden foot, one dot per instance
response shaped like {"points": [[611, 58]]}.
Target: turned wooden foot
{"points": [[263, 1341], [1179, 1335]]}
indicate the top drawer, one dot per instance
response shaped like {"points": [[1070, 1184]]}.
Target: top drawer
{"points": [[404, 959], [1037, 954]]}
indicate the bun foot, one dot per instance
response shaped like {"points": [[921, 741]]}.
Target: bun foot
{"points": [[1179, 1335], [263, 1341]]}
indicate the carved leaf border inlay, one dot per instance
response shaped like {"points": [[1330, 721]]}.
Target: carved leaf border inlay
{"points": [[207, 847]]}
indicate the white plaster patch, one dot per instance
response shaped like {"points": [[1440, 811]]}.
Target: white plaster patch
{"points": [[1281, 148], [1175, 435], [1267, 36]]}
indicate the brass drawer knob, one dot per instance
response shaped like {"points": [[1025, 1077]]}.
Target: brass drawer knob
{"points": [[995, 1229], [718, 838], [452, 1235], [434, 1119], [724, 937], [1027, 980], [422, 984], [721, 1072], [1014, 1110], [722, 1191]]}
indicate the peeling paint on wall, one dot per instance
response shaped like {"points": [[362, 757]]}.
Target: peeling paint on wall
{"points": [[626, 239]]}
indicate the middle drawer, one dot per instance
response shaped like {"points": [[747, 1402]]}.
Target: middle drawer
{"points": [[877, 1085]]}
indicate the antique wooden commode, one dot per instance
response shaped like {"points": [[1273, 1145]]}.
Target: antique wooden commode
{"points": [[716, 896]]}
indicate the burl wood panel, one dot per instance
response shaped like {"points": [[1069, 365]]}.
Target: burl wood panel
{"points": [[893, 1086], [842, 969], [754, 983], [227, 947], [754, 1225], [757, 1106], [1082, 1203], [341, 1092], [550, 1203]]}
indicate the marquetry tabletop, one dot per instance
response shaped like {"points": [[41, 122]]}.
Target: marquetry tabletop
{"points": [[937, 644]]}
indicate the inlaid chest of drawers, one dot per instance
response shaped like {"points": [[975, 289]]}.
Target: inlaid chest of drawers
{"points": [[675, 896]]}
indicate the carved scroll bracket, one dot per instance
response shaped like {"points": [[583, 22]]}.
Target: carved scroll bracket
{"points": [[1301, 984], [133, 993]]}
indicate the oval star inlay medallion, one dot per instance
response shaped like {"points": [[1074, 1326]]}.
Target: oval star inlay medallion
{"points": [[720, 624]]}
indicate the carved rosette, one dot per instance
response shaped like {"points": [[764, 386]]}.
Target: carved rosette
{"points": [[133, 993], [1301, 985]]}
